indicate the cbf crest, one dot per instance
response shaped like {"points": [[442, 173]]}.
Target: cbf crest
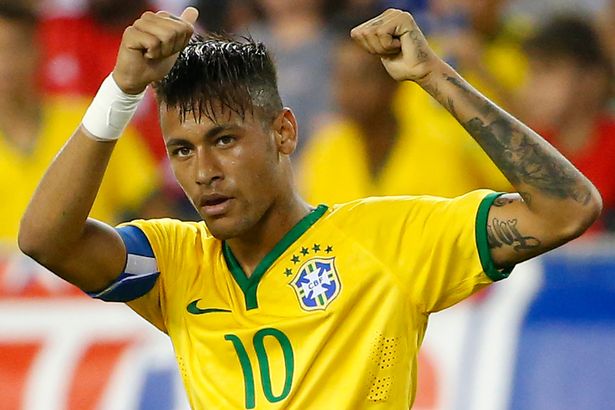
{"points": [[316, 283]]}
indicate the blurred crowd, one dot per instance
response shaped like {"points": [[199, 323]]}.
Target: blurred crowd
{"points": [[550, 63]]}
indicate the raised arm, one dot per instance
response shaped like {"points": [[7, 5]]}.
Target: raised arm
{"points": [[555, 202], [55, 229]]}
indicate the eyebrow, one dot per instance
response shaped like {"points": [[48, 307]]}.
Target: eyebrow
{"points": [[212, 132]]}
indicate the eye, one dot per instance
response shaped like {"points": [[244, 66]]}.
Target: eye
{"points": [[225, 140], [181, 152]]}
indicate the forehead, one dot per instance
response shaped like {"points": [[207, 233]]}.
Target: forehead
{"points": [[173, 125]]}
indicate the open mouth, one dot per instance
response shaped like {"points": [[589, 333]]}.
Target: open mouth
{"points": [[214, 205], [215, 201]]}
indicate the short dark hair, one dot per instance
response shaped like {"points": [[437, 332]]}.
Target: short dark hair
{"points": [[219, 71], [572, 37], [14, 10]]}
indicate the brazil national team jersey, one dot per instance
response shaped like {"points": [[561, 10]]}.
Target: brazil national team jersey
{"points": [[332, 318]]}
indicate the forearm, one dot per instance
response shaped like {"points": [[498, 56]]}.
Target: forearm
{"points": [[548, 182], [56, 216]]}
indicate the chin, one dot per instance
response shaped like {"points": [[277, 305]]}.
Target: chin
{"points": [[223, 228]]}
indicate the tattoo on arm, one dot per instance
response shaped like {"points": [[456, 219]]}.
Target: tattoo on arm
{"points": [[418, 41], [520, 154], [505, 233], [502, 201]]}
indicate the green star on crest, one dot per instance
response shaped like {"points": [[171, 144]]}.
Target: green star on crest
{"points": [[329, 249], [316, 247], [288, 272], [304, 251], [295, 259]]}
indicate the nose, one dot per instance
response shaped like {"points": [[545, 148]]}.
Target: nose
{"points": [[208, 169]]}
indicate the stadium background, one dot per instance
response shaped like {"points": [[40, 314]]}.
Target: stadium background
{"points": [[542, 339]]}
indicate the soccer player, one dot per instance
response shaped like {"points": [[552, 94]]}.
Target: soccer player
{"points": [[271, 302]]}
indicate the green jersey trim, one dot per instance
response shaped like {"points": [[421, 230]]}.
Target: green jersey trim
{"points": [[482, 242], [249, 285]]}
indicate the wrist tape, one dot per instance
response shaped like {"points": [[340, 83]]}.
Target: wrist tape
{"points": [[110, 111]]}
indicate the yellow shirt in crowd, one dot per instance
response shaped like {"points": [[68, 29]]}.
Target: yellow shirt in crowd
{"points": [[433, 155], [130, 177]]}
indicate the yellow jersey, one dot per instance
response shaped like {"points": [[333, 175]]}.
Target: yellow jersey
{"points": [[432, 155], [21, 172], [332, 318]]}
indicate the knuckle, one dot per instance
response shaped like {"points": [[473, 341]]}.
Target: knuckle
{"points": [[129, 33], [140, 24], [407, 15], [154, 43], [167, 37]]}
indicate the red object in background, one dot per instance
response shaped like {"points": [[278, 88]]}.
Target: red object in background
{"points": [[21, 278], [595, 161], [15, 365], [77, 54], [93, 373], [428, 383]]}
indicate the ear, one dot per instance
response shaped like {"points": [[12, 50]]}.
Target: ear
{"points": [[285, 129]]}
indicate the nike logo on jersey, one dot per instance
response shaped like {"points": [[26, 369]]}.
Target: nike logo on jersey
{"points": [[195, 310]]}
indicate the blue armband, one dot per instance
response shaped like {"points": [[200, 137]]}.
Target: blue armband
{"points": [[140, 272]]}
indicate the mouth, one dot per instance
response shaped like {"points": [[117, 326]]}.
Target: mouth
{"points": [[214, 204]]}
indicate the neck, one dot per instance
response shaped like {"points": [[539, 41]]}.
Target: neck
{"points": [[281, 217]]}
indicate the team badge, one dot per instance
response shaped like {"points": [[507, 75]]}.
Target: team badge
{"points": [[316, 283]]}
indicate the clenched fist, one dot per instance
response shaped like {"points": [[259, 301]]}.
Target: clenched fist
{"points": [[397, 40], [150, 47]]}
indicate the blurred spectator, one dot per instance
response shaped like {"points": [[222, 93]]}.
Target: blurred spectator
{"points": [[607, 29], [297, 34], [33, 129], [79, 50], [225, 15], [543, 10], [381, 146], [482, 44], [569, 83]]}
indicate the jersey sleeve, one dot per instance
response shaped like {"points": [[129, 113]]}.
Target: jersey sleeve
{"points": [[166, 237], [437, 247], [152, 266], [140, 269]]}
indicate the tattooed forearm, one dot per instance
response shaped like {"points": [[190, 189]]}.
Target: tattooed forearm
{"points": [[419, 43], [505, 233], [522, 160], [434, 91], [521, 155]]}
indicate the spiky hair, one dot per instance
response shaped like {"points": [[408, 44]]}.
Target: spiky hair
{"points": [[217, 71]]}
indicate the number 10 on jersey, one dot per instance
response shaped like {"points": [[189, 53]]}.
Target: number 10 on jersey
{"points": [[263, 365]]}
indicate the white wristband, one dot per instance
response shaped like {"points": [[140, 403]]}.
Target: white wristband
{"points": [[110, 111]]}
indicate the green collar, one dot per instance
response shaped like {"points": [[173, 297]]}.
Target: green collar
{"points": [[249, 285]]}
